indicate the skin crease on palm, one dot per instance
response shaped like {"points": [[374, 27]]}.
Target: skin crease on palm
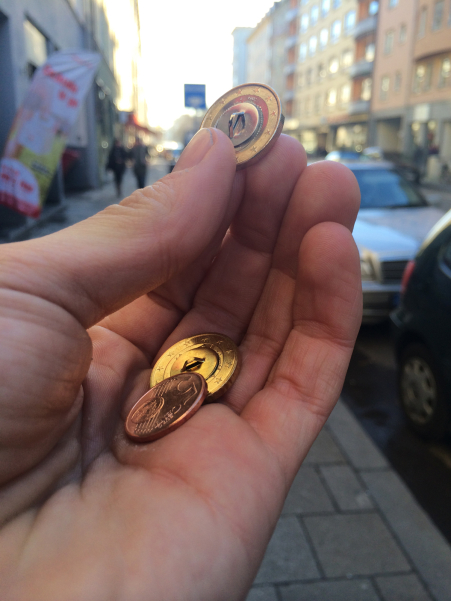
{"points": [[265, 256]]}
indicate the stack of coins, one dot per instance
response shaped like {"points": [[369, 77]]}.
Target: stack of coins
{"points": [[202, 368], [195, 370]]}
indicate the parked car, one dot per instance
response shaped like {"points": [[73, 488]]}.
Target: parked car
{"points": [[422, 331], [393, 220], [404, 164]]}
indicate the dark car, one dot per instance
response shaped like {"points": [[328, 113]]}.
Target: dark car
{"points": [[422, 329]]}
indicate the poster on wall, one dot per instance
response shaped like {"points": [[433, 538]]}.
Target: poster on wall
{"points": [[41, 127]]}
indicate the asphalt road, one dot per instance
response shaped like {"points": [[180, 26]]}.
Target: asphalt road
{"points": [[370, 392]]}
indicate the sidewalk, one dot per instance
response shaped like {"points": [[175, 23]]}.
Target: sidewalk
{"points": [[350, 529]]}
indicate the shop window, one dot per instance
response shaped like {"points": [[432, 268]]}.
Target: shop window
{"points": [[388, 42], [302, 52], [325, 7], [350, 17], [312, 45], [422, 22], [370, 52], [402, 33], [335, 31], [314, 15], [345, 93], [365, 93], [445, 72], [333, 65], [373, 8], [398, 81], [347, 58], [304, 23], [437, 19], [323, 38]]}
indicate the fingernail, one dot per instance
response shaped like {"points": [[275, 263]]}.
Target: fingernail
{"points": [[198, 147]]}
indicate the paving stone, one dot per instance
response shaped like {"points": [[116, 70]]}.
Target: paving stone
{"points": [[262, 593], [346, 488], [358, 447], [307, 494], [423, 543], [288, 556], [324, 450], [402, 588], [344, 590], [355, 545]]}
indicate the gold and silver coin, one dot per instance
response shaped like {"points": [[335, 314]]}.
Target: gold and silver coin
{"points": [[213, 356], [251, 116]]}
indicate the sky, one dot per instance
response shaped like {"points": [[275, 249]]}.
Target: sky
{"points": [[186, 41]]}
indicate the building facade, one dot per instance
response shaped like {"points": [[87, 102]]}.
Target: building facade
{"points": [[31, 30], [240, 35]]}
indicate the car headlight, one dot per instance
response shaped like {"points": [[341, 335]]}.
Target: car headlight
{"points": [[367, 269]]}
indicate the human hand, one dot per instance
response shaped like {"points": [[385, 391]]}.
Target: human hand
{"points": [[89, 515]]}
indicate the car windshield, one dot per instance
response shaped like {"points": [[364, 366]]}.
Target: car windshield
{"points": [[381, 188]]}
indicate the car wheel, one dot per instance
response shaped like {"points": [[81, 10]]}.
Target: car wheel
{"points": [[422, 394]]}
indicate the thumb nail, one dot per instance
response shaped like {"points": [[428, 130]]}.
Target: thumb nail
{"points": [[198, 147]]}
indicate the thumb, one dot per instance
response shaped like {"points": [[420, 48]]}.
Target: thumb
{"points": [[97, 266]]}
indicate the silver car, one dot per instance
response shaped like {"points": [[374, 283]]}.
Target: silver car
{"points": [[393, 221]]}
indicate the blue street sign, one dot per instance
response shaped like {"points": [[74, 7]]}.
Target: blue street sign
{"points": [[195, 96]]}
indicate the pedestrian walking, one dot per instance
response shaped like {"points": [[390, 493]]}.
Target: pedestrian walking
{"points": [[139, 154], [116, 164]]}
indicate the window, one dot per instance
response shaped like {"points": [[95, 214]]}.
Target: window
{"points": [[438, 14], [365, 92], [388, 42], [370, 52], [336, 3], [373, 8], [349, 21], [323, 38], [420, 72], [333, 65], [321, 71], [312, 45], [325, 7], [398, 81], [35, 47], [422, 22], [385, 86], [335, 31], [428, 77], [402, 33], [314, 15], [304, 23], [304, 2], [308, 77], [300, 80], [445, 72], [345, 93], [332, 97], [392, 3], [317, 103], [347, 58], [302, 52]]}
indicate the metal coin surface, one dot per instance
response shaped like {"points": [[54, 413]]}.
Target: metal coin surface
{"points": [[251, 116], [214, 356], [165, 407]]}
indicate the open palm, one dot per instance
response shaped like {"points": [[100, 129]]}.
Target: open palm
{"points": [[264, 256]]}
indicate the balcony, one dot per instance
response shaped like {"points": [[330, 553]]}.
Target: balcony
{"points": [[289, 69], [361, 68], [365, 27], [292, 14], [356, 107], [291, 41]]}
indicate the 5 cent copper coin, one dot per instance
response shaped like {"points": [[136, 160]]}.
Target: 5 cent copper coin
{"points": [[251, 116], [165, 407]]}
